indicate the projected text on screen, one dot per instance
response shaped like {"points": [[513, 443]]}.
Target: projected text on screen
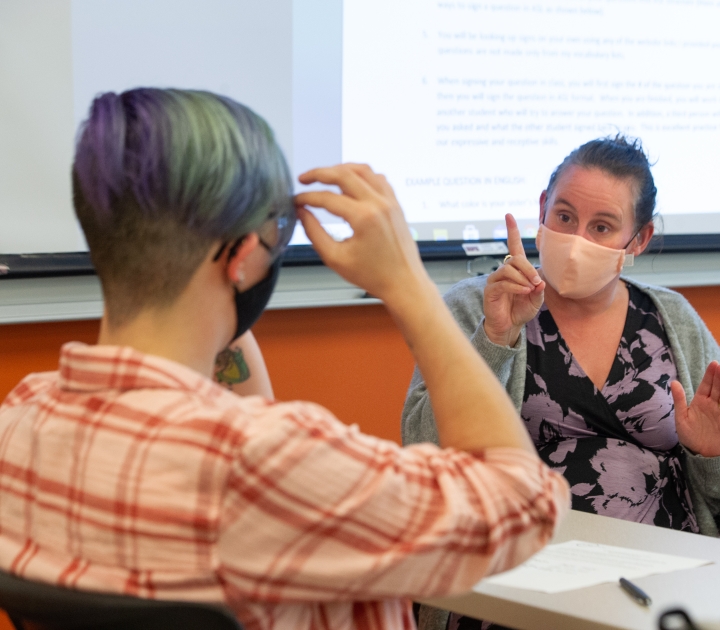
{"points": [[468, 106]]}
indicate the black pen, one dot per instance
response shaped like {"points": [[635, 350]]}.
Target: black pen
{"points": [[640, 596]]}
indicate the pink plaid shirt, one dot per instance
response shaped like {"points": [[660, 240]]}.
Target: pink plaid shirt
{"points": [[130, 473]]}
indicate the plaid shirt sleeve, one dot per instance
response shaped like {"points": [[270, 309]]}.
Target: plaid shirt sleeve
{"points": [[317, 511]]}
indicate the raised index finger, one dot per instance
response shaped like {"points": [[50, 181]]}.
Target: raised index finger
{"points": [[514, 241]]}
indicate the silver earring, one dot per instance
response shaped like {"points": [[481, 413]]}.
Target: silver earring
{"points": [[241, 278]]}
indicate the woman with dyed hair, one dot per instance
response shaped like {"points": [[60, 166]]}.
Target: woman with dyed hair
{"points": [[129, 470], [148, 224], [599, 366]]}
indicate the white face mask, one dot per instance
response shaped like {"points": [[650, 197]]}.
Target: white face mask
{"points": [[575, 267]]}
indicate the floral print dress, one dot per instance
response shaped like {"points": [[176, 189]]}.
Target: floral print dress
{"points": [[617, 446]]}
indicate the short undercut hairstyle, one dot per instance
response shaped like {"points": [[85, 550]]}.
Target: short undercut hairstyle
{"points": [[624, 159], [160, 175]]}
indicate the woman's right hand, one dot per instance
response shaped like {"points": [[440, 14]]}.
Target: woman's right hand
{"points": [[381, 255], [514, 292]]}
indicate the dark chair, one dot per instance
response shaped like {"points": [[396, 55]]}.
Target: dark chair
{"points": [[33, 605]]}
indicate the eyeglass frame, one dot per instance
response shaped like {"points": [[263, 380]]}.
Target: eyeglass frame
{"points": [[275, 251]]}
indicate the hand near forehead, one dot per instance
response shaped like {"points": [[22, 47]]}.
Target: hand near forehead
{"points": [[381, 255], [514, 293], [698, 425]]}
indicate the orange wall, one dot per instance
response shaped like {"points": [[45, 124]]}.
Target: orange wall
{"points": [[706, 301], [350, 359]]}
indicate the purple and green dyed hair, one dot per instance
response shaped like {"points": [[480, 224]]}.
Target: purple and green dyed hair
{"points": [[161, 175], [210, 161]]}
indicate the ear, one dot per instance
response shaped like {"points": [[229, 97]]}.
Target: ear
{"points": [[642, 240], [543, 199], [236, 262]]}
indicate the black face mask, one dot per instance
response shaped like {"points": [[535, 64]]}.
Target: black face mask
{"points": [[250, 304]]}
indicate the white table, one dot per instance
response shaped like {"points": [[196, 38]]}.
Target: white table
{"points": [[607, 606]]}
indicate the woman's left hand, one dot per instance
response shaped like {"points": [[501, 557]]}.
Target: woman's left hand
{"points": [[698, 426]]}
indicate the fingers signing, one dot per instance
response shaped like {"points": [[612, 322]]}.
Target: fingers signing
{"points": [[324, 244], [361, 190], [376, 181], [529, 272], [340, 205], [706, 385], [505, 286], [511, 271], [537, 297], [356, 180], [514, 241], [678, 394], [517, 252], [715, 388], [524, 268]]}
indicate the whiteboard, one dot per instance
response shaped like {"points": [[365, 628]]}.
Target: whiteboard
{"points": [[465, 106]]}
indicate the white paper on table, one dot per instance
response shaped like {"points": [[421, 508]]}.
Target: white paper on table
{"points": [[577, 564]]}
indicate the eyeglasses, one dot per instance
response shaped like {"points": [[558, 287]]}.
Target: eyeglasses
{"points": [[276, 232], [274, 235]]}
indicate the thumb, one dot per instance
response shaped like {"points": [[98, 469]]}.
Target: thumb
{"points": [[537, 297], [681, 408], [323, 243]]}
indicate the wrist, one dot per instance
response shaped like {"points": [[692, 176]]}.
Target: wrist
{"points": [[705, 452], [695, 448], [406, 287], [502, 338], [418, 310]]}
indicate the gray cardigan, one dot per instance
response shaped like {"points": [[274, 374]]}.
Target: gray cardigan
{"points": [[692, 345]]}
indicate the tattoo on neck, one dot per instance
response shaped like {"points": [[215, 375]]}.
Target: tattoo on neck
{"points": [[231, 367]]}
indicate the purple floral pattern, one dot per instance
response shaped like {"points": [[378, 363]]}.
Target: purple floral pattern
{"points": [[617, 446]]}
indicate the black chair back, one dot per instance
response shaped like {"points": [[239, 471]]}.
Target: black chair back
{"points": [[33, 605]]}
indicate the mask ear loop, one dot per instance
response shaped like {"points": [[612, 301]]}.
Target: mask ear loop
{"points": [[630, 258], [634, 236]]}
